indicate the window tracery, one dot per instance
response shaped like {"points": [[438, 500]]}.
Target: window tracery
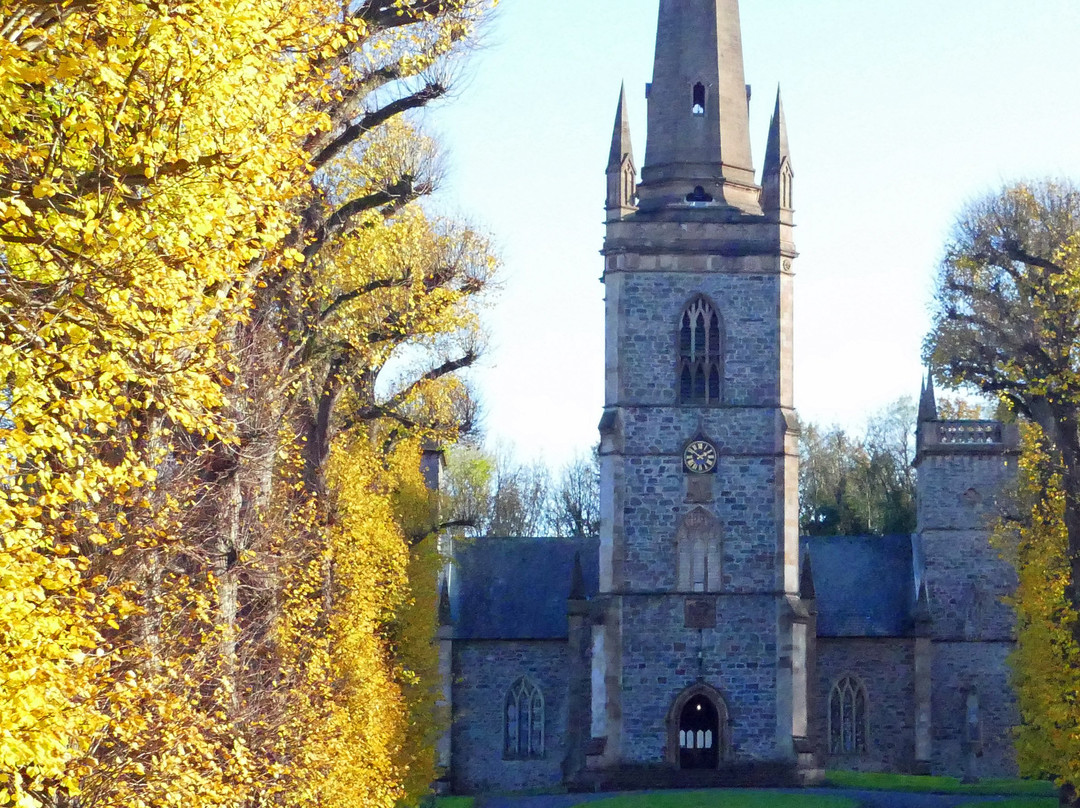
{"points": [[523, 721], [848, 721], [701, 343]]}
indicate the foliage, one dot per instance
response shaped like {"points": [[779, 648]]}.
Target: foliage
{"points": [[859, 486], [575, 510], [496, 495], [1046, 664], [212, 260], [868, 781]]}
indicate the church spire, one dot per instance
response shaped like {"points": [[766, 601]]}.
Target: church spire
{"points": [[698, 148], [621, 171], [777, 176]]}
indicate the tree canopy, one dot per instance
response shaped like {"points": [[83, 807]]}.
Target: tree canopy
{"points": [[227, 330], [495, 494], [855, 486]]}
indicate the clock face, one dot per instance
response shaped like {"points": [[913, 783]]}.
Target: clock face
{"points": [[700, 457]]}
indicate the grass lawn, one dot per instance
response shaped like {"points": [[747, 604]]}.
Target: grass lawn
{"points": [[1028, 802], [722, 799], [939, 785], [454, 802]]}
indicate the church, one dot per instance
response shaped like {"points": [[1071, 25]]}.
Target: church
{"points": [[699, 640]]}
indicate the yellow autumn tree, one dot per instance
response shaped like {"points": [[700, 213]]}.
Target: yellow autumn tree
{"points": [[179, 331], [1046, 664], [145, 166]]}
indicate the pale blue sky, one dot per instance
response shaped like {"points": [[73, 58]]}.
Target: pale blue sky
{"points": [[898, 112]]}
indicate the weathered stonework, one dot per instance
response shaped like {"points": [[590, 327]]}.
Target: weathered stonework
{"points": [[957, 668], [886, 666], [483, 674]]}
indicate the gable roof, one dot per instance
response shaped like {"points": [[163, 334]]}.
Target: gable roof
{"points": [[865, 585], [516, 588]]}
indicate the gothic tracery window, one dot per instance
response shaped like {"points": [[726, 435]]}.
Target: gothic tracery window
{"points": [[848, 721], [523, 721], [701, 360]]}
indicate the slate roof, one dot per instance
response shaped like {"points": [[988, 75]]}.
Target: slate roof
{"points": [[866, 585], [516, 588]]}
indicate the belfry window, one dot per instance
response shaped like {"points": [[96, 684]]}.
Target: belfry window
{"points": [[698, 107], [701, 363], [848, 722], [523, 721]]}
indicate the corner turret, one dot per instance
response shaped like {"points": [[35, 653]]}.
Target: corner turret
{"points": [[621, 171], [778, 176]]}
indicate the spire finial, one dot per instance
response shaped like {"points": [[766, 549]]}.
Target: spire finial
{"points": [[621, 146], [777, 174], [577, 579], [445, 616], [621, 171], [928, 400], [699, 122]]}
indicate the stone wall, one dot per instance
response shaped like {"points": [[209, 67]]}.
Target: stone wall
{"points": [[661, 658], [886, 667], [960, 496], [652, 304], [958, 667], [744, 499], [962, 489], [484, 671], [967, 583]]}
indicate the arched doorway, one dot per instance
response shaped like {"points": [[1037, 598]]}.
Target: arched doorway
{"points": [[699, 735], [697, 729]]}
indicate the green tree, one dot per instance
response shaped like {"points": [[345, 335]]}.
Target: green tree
{"points": [[1007, 324], [495, 494], [575, 497], [859, 485]]}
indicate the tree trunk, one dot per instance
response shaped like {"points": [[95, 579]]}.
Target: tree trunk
{"points": [[1071, 461], [1067, 795]]}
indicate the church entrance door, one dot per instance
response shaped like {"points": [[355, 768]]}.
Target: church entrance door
{"points": [[699, 734]]}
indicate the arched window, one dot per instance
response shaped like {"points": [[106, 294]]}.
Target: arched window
{"points": [[523, 721], [701, 361], [787, 178], [699, 552], [698, 107], [848, 722]]}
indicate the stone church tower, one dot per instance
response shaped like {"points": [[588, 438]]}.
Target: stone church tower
{"points": [[699, 641], [699, 652]]}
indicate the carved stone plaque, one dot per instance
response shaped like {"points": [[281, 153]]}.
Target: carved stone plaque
{"points": [[701, 612], [699, 488]]}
